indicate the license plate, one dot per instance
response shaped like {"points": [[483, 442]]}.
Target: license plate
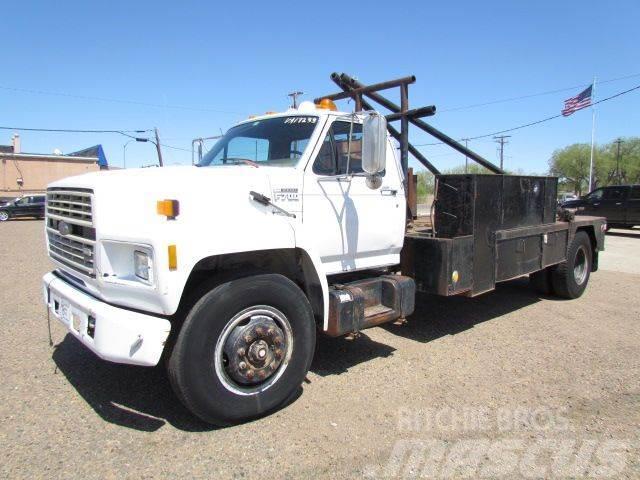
{"points": [[72, 317], [64, 311]]}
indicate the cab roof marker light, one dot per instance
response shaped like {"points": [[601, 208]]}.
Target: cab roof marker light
{"points": [[168, 208], [327, 104]]}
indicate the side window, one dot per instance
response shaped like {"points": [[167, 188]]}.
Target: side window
{"points": [[635, 193], [23, 201], [336, 151], [341, 132], [595, 195], [613, 193], [325, 162]]}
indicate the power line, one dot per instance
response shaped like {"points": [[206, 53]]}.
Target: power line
{"points": [[522, 97], [532, 123], [117, 100], [70, 130], [176, 148]]}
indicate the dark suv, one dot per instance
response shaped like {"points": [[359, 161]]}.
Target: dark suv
{"points": [[29, 206], [620, 204]]}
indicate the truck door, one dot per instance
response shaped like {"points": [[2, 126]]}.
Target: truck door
{"points": [[355, 227], [22, 207], [633, 206], [613, 205]]}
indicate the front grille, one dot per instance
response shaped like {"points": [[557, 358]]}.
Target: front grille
{"points": [[70, 232], [71, 206]]}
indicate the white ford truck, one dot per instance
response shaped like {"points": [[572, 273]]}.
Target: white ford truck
{"points": [[292, 224]]}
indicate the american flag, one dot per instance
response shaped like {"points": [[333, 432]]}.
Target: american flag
{"points": [[580, 101]]}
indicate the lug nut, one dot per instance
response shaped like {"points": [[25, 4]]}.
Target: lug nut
{"points": [[241, 352], [250, 374], [270, 332], [242, 365], [259, 331]]}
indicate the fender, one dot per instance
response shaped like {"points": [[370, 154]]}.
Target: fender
{"points": [[304, 243]]}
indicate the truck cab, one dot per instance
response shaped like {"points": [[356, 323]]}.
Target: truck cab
{"points": [[280, 205]]}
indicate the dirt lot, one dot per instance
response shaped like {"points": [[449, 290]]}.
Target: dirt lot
{"points": [[505, 385]]}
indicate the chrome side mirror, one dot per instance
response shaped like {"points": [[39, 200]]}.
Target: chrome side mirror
{"points": [[374, 143]]}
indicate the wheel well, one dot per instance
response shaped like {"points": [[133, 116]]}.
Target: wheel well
{"points": [[594, 245], [293, 263]]}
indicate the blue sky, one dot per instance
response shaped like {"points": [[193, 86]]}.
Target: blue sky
{"points": [[220, 63]]}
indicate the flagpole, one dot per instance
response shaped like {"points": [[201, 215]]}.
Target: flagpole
{"points": [[593, 132]]}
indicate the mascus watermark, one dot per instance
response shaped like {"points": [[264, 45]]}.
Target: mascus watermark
{"points": [[484, 458], [533, 443]]}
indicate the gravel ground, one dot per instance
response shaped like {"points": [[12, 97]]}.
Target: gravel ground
{"points": [[505, 385]]}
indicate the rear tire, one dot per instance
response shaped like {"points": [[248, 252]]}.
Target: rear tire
{"points": [[570, 278], [244, 349]]}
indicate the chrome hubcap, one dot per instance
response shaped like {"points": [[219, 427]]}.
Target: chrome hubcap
{"points": [[253, 350], [580, 266], [4, 216]]}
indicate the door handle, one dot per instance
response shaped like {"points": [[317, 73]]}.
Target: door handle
{"points": [[618, 203], [596, 204], [388, 191]]}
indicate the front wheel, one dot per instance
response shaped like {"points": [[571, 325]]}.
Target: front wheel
{"points": [[570, 278], [244, 349], [4, 215]]}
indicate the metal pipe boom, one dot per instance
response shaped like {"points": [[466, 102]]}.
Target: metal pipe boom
{"points": [[376, 97]]}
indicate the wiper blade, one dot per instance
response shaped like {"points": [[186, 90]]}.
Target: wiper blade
{"points": [[266, 201]]}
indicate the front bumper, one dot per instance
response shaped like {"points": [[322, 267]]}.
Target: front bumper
{"points": [[112, 333]]}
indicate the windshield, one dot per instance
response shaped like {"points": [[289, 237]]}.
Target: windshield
{"points": [[274, 142]]}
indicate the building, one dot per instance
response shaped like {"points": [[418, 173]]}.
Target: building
{"points": [[23, 173]]}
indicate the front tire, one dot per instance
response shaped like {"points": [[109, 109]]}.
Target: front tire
{"points": [[570, 278], [244, 349], [4, 216]]}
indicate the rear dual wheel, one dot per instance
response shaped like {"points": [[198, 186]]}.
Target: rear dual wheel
{"points": [[243, 350]]}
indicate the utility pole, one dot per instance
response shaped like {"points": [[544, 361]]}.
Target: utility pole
{"points": [[294, 96], [466, 159], [501, 140], [158, 147], [618, 142]]}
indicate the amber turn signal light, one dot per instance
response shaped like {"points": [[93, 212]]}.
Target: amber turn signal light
{"points": [[173, 257], [168, 208]]}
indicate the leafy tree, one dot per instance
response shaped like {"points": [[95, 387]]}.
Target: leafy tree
{"points": [[626, 168], [571, 164]]}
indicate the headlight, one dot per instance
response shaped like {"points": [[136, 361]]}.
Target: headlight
{"points": [[142, 265]]}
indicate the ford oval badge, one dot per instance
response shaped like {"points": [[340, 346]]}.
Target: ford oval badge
{"points": [[64, 228]]}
